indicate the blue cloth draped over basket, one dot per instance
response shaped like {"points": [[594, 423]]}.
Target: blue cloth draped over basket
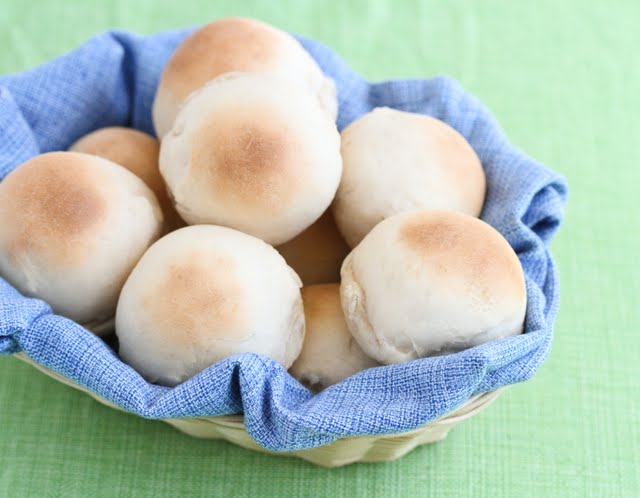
{"points": [[111, 80]]}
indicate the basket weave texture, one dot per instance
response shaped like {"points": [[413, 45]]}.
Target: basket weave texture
{"points": [[344, 451]]}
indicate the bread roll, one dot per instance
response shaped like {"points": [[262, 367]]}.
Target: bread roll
{"points": [[138, 152], [431, 282], [72, 227], [231, 45], [252, 152], [317, 253], [329, 352], [203, 293], [398, 161]]}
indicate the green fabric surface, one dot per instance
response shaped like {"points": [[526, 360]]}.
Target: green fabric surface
{"points": [[563, 78]]}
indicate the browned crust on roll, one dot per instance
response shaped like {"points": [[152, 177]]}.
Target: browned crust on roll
{"points": [[197, 293], [138, 152], [317, 254], [232, 44], [321, 300], [133, 149], [56, 202], [249, 158], [466, 247]]}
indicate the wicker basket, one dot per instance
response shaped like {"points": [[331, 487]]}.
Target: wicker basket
{"points": [[341, 452]]}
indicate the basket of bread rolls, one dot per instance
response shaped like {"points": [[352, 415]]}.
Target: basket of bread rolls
{"points": [[228, 229]]}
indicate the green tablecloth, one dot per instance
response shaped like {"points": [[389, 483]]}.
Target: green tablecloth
{"points": [[564, 80]]}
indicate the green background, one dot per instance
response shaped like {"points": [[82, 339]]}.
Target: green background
{"points": [[563, 78]]}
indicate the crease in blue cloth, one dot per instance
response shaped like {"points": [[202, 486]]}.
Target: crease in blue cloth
{"points": [[111, 80]]}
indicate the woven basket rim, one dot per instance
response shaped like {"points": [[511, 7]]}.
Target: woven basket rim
{"points": [[466, 410], [342, 451]]}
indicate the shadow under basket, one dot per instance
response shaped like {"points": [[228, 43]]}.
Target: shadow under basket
{"points": [[379, 448]]}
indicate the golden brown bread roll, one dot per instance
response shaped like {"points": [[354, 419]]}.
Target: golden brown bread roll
{"points": [[317, 253], [72, 227], [236, 45], [395, 161], [431, 282], [138, 152], [252, 152], [329, 352], [203, 293]]}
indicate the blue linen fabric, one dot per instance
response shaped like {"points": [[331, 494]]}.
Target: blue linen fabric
{"points": [[111, 80]]}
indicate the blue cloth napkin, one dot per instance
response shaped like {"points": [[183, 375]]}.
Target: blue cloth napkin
{"points": [[111, 80]]}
